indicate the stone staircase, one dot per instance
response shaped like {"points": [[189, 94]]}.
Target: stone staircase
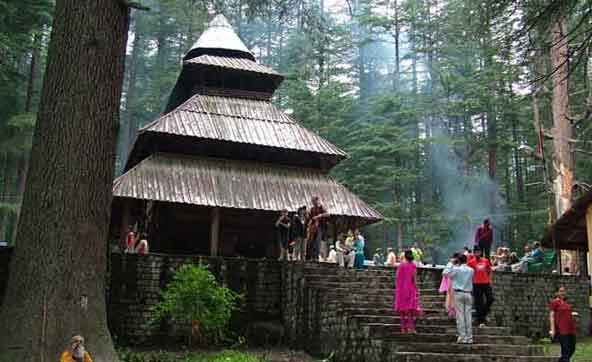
{"points": [[356, 323]]}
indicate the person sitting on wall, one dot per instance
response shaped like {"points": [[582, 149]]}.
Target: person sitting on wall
{"points": [[142, 246], [342, 251], [391, 257], [378, 258], [530, 257], [76, 351], [332, 258], [417, 253], [283, 231], [315, 231]]}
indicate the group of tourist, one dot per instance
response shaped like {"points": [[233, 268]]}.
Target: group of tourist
{"points": [[304, 237], [135, 243], [466, 280], [393, 259]]}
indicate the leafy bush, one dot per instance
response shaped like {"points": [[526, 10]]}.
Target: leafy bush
{"points": [[194, 296]]}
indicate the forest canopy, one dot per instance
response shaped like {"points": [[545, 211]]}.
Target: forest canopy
{"points": [[440, 104]]}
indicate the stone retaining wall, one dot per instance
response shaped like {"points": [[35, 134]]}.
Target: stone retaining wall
{"points": [[278, 292], [136, 282], [522, 299]]}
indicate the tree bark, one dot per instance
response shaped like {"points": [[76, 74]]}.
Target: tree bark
{"points": [[563, 160], [56, 286]]}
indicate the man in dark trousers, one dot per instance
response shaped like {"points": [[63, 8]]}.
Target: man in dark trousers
{"points": [[482, 293], [484, 238]]}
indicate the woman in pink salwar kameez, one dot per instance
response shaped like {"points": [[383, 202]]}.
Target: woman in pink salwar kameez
{"points": [[406, 303]]}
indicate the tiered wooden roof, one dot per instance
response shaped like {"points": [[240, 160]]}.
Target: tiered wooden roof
{"points": [[236, 184], [221, 142]]}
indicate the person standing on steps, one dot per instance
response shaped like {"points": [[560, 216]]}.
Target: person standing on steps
{"points": [[484, 238], [563, 325], [482, 293], [406, 303], [461, 277]]}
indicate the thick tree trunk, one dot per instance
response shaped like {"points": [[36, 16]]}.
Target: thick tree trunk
{"points": [[563, 160], [57, 281]]}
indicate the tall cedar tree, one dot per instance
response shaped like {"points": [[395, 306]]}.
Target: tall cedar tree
{"points": [[57, 280]]}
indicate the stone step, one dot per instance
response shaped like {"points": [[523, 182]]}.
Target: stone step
{"points": [[437, 325], [443, 322], [385, 302], [452, 357], [364, 292], [490, 349], [354, 309], [388, 331]]}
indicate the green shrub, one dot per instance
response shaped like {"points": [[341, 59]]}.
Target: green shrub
{"points": [[194, 297]]}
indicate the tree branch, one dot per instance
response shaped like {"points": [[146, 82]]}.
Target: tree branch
{"points": [[589, 153], [133, 5]]}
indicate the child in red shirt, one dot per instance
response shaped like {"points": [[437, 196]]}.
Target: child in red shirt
{"points": [[482, 292]]}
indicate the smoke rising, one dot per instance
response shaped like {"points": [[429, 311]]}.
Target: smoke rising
{"points": [[467, 195]]}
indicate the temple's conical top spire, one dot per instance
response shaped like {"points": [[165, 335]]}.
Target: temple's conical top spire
{"points": [[219, 39]]}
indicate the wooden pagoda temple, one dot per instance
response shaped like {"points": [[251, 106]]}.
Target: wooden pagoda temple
{"points": [[211, 174]]}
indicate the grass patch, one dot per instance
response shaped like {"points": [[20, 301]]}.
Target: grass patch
{"points": [[166, 356], [583, 349]]}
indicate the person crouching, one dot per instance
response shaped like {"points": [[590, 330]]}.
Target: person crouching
{"points": [[76, 351]]}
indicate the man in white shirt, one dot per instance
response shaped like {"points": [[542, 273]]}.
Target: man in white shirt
{"points": [[391, 258], [461, 276], [341, 250]]}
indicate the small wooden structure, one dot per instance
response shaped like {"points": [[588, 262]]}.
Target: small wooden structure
{"points": [[573, 230], [211, 174]]}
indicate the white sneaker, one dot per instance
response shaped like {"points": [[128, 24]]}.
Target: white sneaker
{"points": [[482, 325]]}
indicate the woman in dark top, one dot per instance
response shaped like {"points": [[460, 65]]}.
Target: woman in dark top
{"points": [[298, 233], [283, 230], [563, 325]]}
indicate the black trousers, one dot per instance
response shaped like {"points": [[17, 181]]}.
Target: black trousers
{"points": [[485, 249], [314, 246], [483, 299], [568, 347]]}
